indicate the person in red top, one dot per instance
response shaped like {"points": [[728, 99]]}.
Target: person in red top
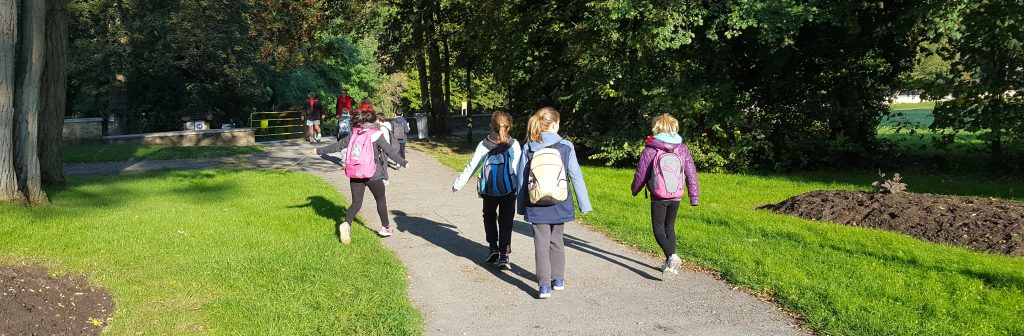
{"points": [[365, 105], [344, 102], [312, 113]]}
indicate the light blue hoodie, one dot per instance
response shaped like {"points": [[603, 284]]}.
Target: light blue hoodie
{"points": [[556, 213]]}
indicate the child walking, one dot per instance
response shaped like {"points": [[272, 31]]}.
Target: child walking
{"points": [[365, 165], [544, 199], [499, 156], [665, 164]]}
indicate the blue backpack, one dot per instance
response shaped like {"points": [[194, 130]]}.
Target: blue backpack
{"points": [[496, 176]]}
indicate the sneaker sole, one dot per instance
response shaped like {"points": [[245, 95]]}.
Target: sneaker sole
{"points": [[385, 234], [344, 234], [544, 296], [507, 267], [558, 288]]}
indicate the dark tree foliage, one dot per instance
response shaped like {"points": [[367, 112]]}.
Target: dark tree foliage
{"points": [[987, 74], [757, 84]]}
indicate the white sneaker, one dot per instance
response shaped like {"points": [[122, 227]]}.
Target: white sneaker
{"points": [[386, 232], [671, 266], [386, 182], [344, 233]]}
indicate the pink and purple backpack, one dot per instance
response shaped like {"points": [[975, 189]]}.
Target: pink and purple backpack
{"points": [[667, 177], [361, 160]]}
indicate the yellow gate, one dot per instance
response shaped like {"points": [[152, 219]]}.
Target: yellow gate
{"points": [[277, 125]]}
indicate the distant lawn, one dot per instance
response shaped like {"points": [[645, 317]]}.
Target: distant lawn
{"points": [[844, 280], [216, 252], [912, 106], [89, 153], [909, 131]]}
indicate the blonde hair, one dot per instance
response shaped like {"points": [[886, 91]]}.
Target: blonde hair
{"points": [[540, 122], [501, 123], [665, 123]]}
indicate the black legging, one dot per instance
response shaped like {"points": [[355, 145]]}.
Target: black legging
{"points": [[358, 190], [663, 220], [499, 211]]}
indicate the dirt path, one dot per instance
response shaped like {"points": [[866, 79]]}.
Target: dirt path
{"points": [[610, 289]]}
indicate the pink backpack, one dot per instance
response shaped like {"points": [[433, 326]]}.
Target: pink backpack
{"points": [[666, 180], [361, 160]]}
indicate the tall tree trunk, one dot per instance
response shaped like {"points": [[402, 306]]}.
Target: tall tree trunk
{"points": [[54, 93], [447, 76], [469, 86], [421, 63], [29, 75], [8, 40], [438, 116], [996, 145]]}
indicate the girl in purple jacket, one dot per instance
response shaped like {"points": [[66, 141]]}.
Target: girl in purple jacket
{"points": [[666, 139]]}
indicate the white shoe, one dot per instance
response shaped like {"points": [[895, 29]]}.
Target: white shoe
{"points": [[344, 233], [386, 182], [386, 232], [671, 266]]}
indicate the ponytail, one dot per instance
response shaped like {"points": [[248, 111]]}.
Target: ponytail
{"points": [[541, 121], [501, 123]]}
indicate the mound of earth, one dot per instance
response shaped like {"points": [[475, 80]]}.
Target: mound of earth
{"points": [[987, 225], [35, 303]]}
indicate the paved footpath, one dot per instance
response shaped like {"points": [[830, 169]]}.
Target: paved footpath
{"points": [[610, 289]]}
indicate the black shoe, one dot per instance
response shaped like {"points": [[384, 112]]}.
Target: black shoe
{"points": [[504, 263], [493, 257]]}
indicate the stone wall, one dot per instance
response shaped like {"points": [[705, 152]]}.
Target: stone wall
{"points": [[220, 137], [82, 130]]}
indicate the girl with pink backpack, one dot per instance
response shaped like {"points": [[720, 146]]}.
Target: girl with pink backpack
{"points": [[365, 165], [665, 168]]}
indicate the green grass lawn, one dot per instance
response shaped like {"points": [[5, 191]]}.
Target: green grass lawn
{"points": [[223, 252], [909, 132], [89, 153], [843, 280]]}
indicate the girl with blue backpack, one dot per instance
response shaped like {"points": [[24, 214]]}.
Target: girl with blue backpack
{"points": [[365, 165], [665, 168], [543, 197], [498, 157]]}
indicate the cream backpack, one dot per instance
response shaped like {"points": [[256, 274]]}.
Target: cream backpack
{"points": [[547, 184]]}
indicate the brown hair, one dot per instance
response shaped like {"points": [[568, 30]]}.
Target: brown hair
{"points": [[665, 123], [361, 118], [540, 122], [380, 117], [501, 123]]}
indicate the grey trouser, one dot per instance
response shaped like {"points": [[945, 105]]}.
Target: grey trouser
{"points": [[549, 250]]}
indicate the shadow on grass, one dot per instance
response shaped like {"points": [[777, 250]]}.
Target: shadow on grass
{"points": [[91, 153], [456, 145], [919, 181], [448, 237], [327, 209], [1005, 279], [584, 246], [120, 189]]}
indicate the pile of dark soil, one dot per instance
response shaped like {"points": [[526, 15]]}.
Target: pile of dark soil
{"points": [[987, 225], [35, 303]]}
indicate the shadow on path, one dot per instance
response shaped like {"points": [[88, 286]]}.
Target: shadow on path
{"points": [[448, 237], [584, 246]]}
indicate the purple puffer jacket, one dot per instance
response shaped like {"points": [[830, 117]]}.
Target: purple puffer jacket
{"points": [[643, 168]]}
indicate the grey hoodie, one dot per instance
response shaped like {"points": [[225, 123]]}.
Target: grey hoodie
{"points": [[556, 213], [486, 146], [383, 149]]}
